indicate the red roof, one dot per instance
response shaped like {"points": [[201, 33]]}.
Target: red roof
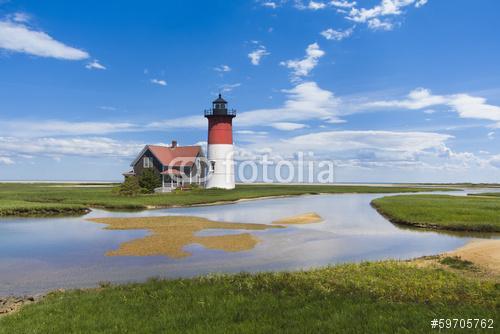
{"points": [[175, 156]]}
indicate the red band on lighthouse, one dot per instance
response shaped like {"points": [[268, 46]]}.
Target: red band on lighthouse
{"points": [[220, 130]]}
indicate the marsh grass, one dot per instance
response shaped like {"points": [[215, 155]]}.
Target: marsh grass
{"points": [[486, 194], [384, 297], [456, 262], [46, 199], [458, 213], [29, 209]]}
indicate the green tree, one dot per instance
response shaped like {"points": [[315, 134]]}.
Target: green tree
{"points": [[149, 181], [130, 187]]}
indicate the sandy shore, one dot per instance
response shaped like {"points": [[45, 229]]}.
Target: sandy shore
{"points": [[483, 253]]}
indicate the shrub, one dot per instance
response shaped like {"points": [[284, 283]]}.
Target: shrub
{"points": [[150, 181], [130, 187]]}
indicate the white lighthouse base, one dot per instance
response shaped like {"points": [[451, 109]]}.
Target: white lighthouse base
{"points": [[221, 175]]}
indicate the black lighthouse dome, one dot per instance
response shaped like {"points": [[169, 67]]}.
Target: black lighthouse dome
{"points": [[219, 108], [219, 105]]}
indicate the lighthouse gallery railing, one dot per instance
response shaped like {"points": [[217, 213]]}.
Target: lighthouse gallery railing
{"points": [[220, 112]]}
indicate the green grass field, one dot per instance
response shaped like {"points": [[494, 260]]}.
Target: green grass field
{"points": [[456, 213], [35, 199], [383, 297]]}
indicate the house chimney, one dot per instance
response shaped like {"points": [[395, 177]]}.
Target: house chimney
{"points": [[174, 143]]}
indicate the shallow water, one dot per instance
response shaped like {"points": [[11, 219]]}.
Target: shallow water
{"points": [[38, 255]]}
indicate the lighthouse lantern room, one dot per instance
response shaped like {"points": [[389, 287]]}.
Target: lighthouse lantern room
{"points": [[220, 145]]}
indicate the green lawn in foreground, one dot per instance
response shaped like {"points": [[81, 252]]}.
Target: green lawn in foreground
{"points": [[384, 297], [457, 213], [24, 197]]}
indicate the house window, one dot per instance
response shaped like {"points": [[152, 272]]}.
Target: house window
{"points": [[147, 162]]}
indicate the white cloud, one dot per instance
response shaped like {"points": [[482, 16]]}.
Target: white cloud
{"points": [[303, 67], [257, 55], [222, 68], [343, 4], [474, 107], [20, 17], [337, 35], [17, 37], [87, 147], [385, 8], [377, 17], [314, 5], [491, 135], [251, 132], [62, 128], [417, 99], [158, 82], [377, 24], [420, 3], [287, 126], [495, 161], [270, 4], [95, 65], [306, 101], [311, 5], [372, 16], [370, 144], [229, 87], [465, 105], [107, 108], [6, 161], [188, 122], [369, 150]]}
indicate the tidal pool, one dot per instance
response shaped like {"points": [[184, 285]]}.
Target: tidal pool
{"points": [[43, 254]]}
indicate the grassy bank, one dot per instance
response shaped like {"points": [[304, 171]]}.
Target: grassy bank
{"points": [[385, 297], [35, 198], [456, 213], [486, 194], [29, 209], [463, 185]]}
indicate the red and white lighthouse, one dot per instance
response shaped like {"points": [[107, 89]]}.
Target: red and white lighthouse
{"points": [[220, 145]]}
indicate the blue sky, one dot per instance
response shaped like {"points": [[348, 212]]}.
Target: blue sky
{"points": [[392, 91]]}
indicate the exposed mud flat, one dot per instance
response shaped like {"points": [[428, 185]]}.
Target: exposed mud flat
{"points": [[170, 234], [307, 218]]}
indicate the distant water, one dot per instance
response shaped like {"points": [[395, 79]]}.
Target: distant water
{"points": [[42, 254]]}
